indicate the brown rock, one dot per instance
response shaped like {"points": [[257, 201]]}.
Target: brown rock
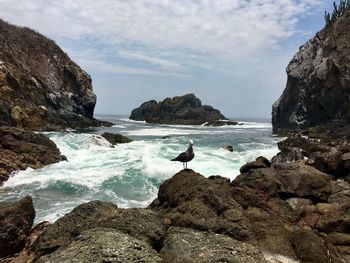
{"points": [[20, 149], [190, 200], [16, 220], [260, 162]]}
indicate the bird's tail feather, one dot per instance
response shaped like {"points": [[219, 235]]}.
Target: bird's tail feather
{"points": [[173, 159]]}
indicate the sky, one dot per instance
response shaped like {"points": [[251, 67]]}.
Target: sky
{"points": [[232, 54]]}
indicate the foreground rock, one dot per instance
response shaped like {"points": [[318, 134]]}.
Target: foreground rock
{"points": [[41, 88], [187, 110], [20, 149], [185, 245], [317, 91], [104, 245], [115, 138], [16, 220]]}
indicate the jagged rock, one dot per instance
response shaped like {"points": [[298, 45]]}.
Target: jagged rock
{"points": [[103, 245], [190, 200], [260, 162], [115, 138], [41, 88], [142, 224], [187, 110], [186, 245], [16, 220], [317, 93], [20, 149]]}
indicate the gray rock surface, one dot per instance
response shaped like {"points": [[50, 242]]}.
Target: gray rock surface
{"points": [[103, 245], [184, 245]]}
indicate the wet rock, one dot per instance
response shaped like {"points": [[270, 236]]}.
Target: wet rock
{"points": [[115, 138], [221, 123], [186, 109], [260, 162], [103, 245], [16, 220], [186, 245], [20, 149], [142, 224], [190, 200], [228, 147]]}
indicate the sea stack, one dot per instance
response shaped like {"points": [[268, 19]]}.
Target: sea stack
{"points": [[183, 110], [317, 94]]}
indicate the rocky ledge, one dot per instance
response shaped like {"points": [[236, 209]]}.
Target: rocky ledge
{"points": [[186, 110], [20, 149], [272, 212], [41, 88], [318, 86]]}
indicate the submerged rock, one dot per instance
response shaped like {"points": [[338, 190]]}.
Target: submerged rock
{"points": [[187, 110], [20, 149], [41, 87], [16, 220], [115, 138]]}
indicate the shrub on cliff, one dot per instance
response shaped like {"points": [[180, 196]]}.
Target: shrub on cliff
{"points": [[338, 11]]}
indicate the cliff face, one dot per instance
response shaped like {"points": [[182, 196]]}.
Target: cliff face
{"points": [[318, 87], [187, 110], [41, 88]]}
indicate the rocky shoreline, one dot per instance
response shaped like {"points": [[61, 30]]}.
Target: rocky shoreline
{"points": [[272, 211]]}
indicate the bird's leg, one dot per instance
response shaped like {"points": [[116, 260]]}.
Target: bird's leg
{"points": [[186, 165], [183, 166]]}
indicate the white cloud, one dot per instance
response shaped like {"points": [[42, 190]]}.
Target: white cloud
{"points": [[226, 29]]}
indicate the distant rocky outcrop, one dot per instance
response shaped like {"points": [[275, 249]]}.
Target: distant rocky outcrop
{"points": [[41, 88], [20, 149], [187, 110], [317, 94]]}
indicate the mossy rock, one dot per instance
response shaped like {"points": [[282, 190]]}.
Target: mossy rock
{"points": [[115, 138]]}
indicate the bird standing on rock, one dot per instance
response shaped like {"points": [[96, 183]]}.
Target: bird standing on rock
{"points": [[186, 156]]}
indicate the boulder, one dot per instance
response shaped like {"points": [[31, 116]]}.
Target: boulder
{"points": [[16, 220], [20, 149], [316, 96], [190, 200], [228, 147], [103, 245], [221, 123], [186, 109], [260, 162], [41, 87], [142, 224], [186, 245], [115, 138]]}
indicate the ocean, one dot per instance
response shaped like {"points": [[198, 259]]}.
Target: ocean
{"points": [[130, 174]]}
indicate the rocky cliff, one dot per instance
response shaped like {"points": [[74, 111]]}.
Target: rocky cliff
{"points": [[187, 110], [317, 94], [41, 88]]}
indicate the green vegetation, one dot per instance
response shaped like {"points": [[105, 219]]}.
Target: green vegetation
{"points": [[338, 11]]}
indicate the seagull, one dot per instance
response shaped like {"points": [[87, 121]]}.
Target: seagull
{"points": [[185, 157]]}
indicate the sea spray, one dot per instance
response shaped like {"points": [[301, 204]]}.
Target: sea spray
{"points": [[130, 174]]}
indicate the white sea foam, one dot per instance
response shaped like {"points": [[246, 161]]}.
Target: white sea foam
{"points": [[129, 174]]}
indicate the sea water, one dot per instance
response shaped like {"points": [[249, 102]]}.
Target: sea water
{"points": [[130, 174]]}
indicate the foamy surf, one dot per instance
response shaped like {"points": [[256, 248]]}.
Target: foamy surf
{"points": [[130, 174]]}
